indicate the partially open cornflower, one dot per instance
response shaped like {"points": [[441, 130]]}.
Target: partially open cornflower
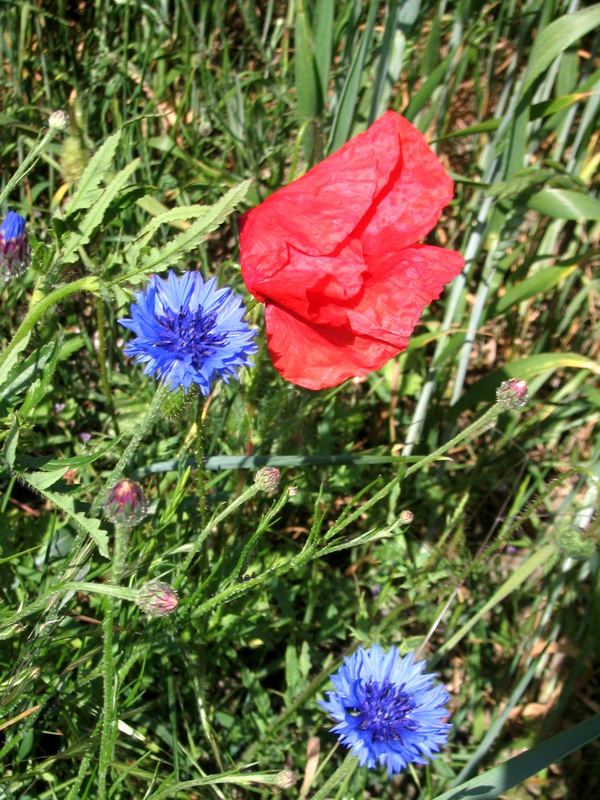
{"points": [[126, 504], [189, 331], [387, 711], [15, 254]]}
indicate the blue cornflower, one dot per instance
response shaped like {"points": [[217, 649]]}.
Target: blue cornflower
{"points": [[188, 331], [15, 254], [386, 710]]}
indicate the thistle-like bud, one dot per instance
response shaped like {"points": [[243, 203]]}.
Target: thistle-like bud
{"points": [[286, 779], [58, 119], [267, 479], [126, 505], [406, 517], [15, 254], [157, 599], [512, 393]]}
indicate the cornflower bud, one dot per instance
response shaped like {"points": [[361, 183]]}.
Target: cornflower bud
{"points": [[126, 505], [406, 517], [267, 479], [58, 119], [157, 599], [286, 779], [512, 393], [15, 254]]}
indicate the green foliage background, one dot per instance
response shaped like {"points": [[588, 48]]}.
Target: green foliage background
{"points": [[179, 114]]}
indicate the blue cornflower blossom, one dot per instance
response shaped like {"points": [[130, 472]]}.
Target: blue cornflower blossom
{"points": [[15, 254], [189, 331], [387, 711]]}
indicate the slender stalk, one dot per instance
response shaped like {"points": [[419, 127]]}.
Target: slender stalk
{"points": [[89, 284], [27, 164], [129, 451], [103, 360], [342, 774], [200, 463], [109, 712]]}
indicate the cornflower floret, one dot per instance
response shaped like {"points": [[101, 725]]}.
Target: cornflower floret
{"points": [[387, 711], [15, 254], [189, 331]]}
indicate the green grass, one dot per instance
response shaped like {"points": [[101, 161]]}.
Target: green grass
{"points": [[495, 579]]}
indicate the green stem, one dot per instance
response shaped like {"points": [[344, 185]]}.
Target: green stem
{"points": [[89, 284], [27, 164], [129, 451], [103, 359], [205, 532], [342, 774], [109, 713], [469, 433], [200, 463]]}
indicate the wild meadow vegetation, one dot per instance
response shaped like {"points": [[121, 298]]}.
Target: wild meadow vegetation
{"points": [[411, 510]]}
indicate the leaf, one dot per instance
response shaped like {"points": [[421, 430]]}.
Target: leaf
{"points": [[23, 375], [498, 780], [525, 368], [39, 481], [87, 190], [481, 127], [556, 38], [565, 204], [160, 258], [95, 215], [537, 284]]}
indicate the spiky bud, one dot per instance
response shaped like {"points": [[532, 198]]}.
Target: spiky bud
{"points": [[267, 479], [157, 599], [512, 393], [15, 254], [58, 119], [126, 505]]}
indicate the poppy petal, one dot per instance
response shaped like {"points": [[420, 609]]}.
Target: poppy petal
{"points": [[316, 212], [420, 188], [320, 356]]}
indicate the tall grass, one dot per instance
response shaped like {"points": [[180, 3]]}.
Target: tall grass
{"points": [[180, 115]]}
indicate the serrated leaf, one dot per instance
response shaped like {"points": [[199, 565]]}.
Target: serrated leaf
{"points": [[93, 219], [180, 214], [88, 189], [39, 481], [160, 258]]}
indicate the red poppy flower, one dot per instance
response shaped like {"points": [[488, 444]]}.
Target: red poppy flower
{"points": [[333, 255]]}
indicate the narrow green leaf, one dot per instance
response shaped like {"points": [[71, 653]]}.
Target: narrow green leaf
{"points": [[565, 204], [537, 284], [88, 189], [557, 104], [420, 97], [496, 781], [344, 116], [307, 87], [323, 45], [481, 127], [556, 38]]}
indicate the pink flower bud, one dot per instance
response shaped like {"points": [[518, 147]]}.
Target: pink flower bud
{"points": [[126, 505], [512, 393], [157, 599], [267, 479]]}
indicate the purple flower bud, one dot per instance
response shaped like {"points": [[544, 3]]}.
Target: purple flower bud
{"points": [[157, 599], [126, 505], [267, 479], [512, 393], [15, 255]]}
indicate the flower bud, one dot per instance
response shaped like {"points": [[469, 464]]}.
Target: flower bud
{"points": [[267, 479], [15, 254], [286, 779], [406, 517], [58, 119], [512, 393], [126, 505], [157, 599]]}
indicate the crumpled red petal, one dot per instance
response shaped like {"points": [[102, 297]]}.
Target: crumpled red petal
{"points": [[371, 328], [418, 191], [315, 213]]}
